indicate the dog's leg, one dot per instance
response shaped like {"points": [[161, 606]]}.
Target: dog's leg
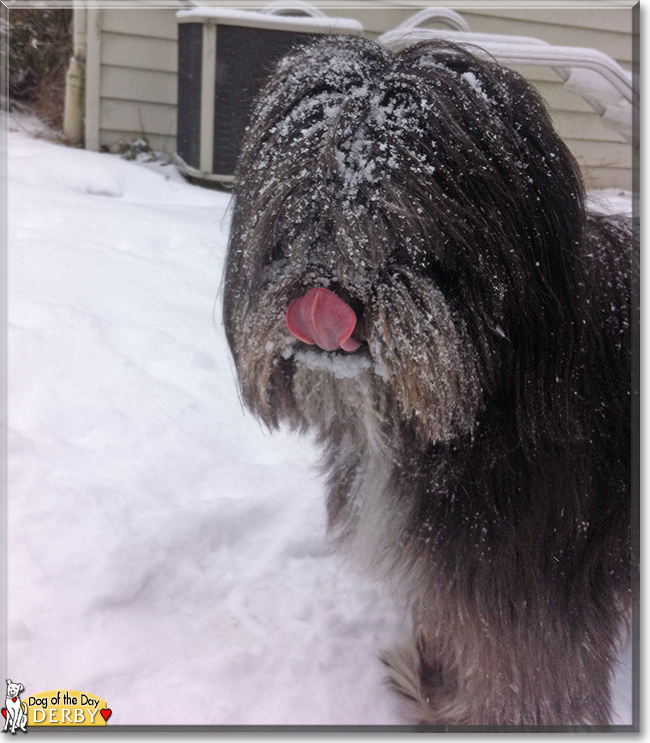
{"points": [[539, 673], [430, 689], [23, 717]]}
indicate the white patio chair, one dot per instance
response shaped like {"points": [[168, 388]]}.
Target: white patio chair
{"points": [[601, 82]]}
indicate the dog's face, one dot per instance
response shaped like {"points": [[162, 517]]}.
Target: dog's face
{"points": [[13, 690], [429, 194]]}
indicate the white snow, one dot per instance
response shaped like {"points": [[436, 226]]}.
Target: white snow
{"points": [[165, 552], [471, 79], [609, 200], [342, 367], [323, 23]]}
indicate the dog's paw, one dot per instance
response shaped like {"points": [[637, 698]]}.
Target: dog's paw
{"points": [[430, 691]]}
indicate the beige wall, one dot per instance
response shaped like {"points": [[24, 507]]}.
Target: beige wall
{"points": [[132, 73]]}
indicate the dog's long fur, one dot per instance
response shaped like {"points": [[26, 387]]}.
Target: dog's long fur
{"points": [[477, 445]]}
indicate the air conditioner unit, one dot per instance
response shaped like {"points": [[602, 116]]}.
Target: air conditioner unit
{"points": [[224, 57]]}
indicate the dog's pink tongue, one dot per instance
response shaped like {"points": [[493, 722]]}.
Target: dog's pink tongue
{"points": [[320, 317]]}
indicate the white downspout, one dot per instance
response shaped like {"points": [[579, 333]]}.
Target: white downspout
{"points": [[73, 115]]}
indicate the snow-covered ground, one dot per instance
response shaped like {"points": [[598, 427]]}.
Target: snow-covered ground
{"points": [[165, 552]]}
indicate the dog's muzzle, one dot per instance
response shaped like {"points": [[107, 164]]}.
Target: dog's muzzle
{"points": [[321, 318]]}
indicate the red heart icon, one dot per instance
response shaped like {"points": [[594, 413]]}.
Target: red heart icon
{"points": [[4, 712], [105, 713]]}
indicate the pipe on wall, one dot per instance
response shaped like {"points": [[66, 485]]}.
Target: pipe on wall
{"points": [[74, 110]]}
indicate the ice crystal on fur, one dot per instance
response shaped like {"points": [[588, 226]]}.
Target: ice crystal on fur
{"points": [[476, 445], [340, 367]]}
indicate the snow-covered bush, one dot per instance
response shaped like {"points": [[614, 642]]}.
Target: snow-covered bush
{"points": [[40, 45]]}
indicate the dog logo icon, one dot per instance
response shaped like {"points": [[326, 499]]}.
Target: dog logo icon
{"points": [[15, 711]]}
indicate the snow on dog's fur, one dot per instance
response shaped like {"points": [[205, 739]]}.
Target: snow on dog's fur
{"points": [[413, 275]]}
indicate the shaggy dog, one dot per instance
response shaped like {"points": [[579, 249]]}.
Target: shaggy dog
{"points": [[412, 275]]}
